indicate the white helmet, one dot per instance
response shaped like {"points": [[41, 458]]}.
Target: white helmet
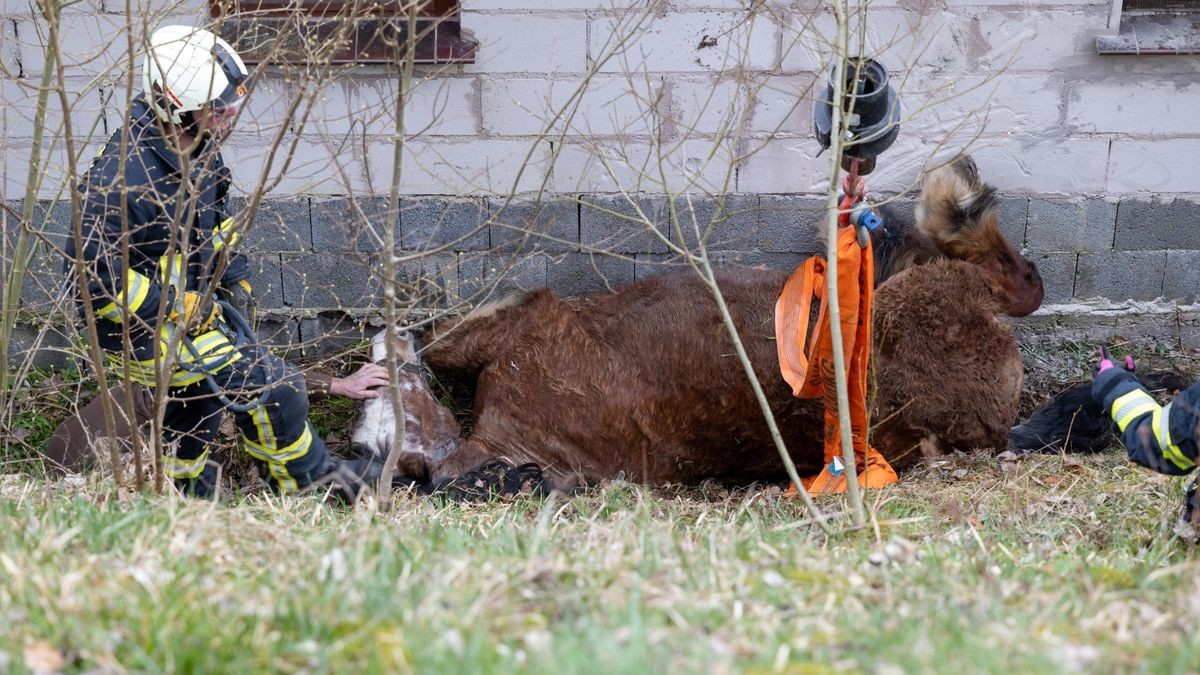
{"points": [[187, 68]]}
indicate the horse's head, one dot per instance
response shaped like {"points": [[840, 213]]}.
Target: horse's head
{"points": [[959, 213], [430, 430]]}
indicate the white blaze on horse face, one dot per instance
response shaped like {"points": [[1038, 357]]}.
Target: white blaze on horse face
{"points": [[377, 427]]}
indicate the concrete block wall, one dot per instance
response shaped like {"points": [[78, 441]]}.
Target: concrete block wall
{"points": [[1094, 155]]}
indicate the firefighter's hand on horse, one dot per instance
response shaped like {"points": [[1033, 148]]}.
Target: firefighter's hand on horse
{"points": [[364, 383]]}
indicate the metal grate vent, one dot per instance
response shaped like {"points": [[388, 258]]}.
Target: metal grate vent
{"points": [[1157, 6]]}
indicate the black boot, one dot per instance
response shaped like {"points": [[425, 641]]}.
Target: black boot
{"points": [[346, 479], [1188, 526]]}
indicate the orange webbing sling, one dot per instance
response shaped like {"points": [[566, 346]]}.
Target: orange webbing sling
{"points": [[855, 270]]}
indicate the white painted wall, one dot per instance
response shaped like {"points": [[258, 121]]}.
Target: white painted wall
{"points": [[1018, 81]]}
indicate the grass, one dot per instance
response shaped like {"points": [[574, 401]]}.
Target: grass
{"points": [[1043, 564], [1056, 564]]}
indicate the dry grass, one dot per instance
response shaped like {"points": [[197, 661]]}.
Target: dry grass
{"points": [[1043, 564]]}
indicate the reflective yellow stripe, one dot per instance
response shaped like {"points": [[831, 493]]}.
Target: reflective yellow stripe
{"points": [[266, 430], [225, 235], [1131, 406], [273, 453], [1162, 434], [216, 352], [179, 468], [171, 270], [277, 458], [136, 287]]}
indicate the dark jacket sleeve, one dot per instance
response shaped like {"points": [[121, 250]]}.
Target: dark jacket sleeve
{"points": [[318, 383], [115, 288], [237, 270], [1157, 437]]}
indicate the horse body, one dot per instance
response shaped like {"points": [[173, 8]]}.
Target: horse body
{"points": [[645, 382]]}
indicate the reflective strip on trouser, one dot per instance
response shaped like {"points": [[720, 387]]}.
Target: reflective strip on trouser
{"points": [[133, 294], [181, 468], [215, 350], [1162, 434], [276, 431], [276, 457], [1131, 406]]}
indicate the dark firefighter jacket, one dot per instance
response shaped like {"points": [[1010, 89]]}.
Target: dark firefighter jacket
{"points": [[160, 211], [1162, 438]]}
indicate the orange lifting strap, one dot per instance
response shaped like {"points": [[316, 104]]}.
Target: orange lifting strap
{"points": [[855, 270]]}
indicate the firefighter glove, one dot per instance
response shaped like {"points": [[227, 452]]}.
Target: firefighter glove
{"points": [[198, 319]]}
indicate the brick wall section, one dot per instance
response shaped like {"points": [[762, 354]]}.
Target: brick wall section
{"points": [[312, 255], [1095, 155]]}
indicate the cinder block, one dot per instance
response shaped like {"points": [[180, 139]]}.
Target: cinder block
{"points": [[318, 166], [1031, 165], [472, 6], [715, 105], [611, 223], [493, 276], [55, 177], [461, 166], [534, 225], [696, 165], [1133, 106], [646, 265], [1018, 39], [453, 224], [783, 166], [1071, 225], [437, 106], [1156, 225], [427, 280], [1058, 276], [92, 45], [775, 260], [688, 42], [332, 332], [575, 274], [279, 224], [1120, 275], [790, 224], [607, 106], [279, 333], [902, 40], [522, 42], [19, 98], [352, 224], [52, 219], [330, 281], [10, 50], [1154, 166], [1013, 216], [726, 221], [949, 102], [266, 278], [1182, 280], [783, 103]]}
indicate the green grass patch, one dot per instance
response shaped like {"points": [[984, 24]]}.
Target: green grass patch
{"points": [[987, 572]]}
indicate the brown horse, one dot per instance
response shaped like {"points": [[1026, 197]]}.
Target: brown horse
{"points": [[644, 381]]}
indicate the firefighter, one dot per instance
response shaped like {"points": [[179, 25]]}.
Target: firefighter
{"points": [[156, 245], [1160, 438]]}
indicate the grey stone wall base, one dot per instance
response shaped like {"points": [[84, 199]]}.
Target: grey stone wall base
{"points": [[1180, 327]]}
